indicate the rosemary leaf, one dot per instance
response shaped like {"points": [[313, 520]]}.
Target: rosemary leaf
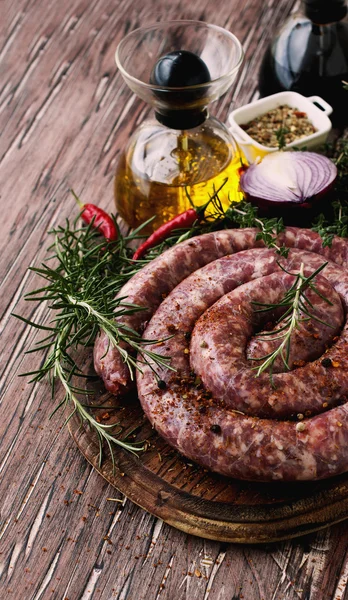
{"points": [[293, 300]]}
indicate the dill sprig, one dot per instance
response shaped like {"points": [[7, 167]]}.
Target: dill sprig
{"points": [[295, 303], [86, 275]]}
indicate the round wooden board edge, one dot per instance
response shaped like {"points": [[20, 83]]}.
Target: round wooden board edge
{"points": [[291, 523]]}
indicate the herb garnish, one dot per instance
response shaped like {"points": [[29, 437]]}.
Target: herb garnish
{"points": [[81, 289], [295, 303], [280, 135], [245, 214], [336, 223], [328, 228]]}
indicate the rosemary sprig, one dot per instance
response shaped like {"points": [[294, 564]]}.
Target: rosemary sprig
{"points": [[80, 289], [295, 303], [246, 215], [55, 362]]}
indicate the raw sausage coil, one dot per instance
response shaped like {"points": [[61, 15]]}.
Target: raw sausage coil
{"points": [[213, 408]]}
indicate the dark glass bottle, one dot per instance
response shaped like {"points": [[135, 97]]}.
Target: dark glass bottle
{"points": [[309, 55]]}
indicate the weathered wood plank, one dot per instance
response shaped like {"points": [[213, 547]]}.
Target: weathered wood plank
{"points": [[64, 115]]}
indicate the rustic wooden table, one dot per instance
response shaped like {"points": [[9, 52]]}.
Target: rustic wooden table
{"points": [[65, 115]]}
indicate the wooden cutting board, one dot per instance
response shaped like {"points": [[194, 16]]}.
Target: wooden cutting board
{"points": [[196, 501]]}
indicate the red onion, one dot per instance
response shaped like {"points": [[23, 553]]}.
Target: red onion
{"points": [[284, 179]]}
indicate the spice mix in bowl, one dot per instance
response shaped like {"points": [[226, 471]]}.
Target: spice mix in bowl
{"points": [[287, 120]]}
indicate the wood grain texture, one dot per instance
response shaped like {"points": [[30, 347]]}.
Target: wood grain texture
{"points": [[64, 116], [197, 501]]}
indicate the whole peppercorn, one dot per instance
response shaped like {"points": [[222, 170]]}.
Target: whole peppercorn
{"points": [[161, 384], [326, 362], [215, 429]]}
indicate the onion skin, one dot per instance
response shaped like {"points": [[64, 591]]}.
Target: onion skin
{"points": [[282, 200]]}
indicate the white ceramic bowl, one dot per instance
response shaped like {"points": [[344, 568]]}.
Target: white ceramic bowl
{"points": [[318, 117]]}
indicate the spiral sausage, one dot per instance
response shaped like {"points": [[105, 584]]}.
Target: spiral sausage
{"points": [[213, 408], [150, 285]]}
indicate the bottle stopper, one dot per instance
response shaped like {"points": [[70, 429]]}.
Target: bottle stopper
{"points": [[181, 69]]}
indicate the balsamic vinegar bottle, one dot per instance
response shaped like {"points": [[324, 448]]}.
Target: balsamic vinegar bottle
{"points": [[309, 55]]}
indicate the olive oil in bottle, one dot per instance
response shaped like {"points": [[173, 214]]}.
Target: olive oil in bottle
{"points": [[182, 157], [162, 168]]}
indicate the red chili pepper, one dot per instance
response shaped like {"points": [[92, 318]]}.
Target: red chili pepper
{"points": [[101, 220], [185, 219]]}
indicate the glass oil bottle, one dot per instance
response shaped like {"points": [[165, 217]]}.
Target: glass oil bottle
{"points": [[163, 171], [182, 156]]}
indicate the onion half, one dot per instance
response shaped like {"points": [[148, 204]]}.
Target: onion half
{"points": [[288, 179]]}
